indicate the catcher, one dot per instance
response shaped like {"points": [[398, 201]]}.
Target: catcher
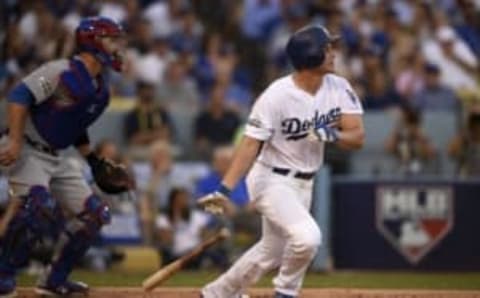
{"points": [[48, 111]]}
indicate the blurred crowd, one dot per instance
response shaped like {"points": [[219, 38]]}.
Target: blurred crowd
{"points": [[194, 71], [195, 67]]}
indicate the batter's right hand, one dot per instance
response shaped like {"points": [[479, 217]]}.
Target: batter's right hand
{"points": [[215, 203], [10, 152], [324, 133]]}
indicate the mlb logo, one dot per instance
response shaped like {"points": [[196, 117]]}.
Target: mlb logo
{"points": [[414, 219]]}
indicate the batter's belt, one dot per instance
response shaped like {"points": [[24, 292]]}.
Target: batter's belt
{"points": [[298, 174]]}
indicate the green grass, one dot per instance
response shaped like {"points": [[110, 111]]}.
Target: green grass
{"points": [[386, 280]]}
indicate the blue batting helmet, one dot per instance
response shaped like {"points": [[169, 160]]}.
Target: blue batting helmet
{"points": [[87, 37], [306, 47]]}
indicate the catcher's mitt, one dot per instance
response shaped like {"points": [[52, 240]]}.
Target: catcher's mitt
{"points": [[109, 177]]}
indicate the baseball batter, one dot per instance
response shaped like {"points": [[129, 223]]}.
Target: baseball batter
{"points": [[50, 110], [282, 148]]}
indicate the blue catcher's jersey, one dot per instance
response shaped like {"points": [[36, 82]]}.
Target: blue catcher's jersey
{"points": [[67, 101]]}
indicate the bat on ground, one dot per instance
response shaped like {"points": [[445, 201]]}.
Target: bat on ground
{"points": [[166, 272]]}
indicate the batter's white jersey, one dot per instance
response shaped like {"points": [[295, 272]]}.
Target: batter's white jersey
{"points": [[284, 114]]}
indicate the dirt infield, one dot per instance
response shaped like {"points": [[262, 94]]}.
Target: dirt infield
{"points": [[267, 293]]}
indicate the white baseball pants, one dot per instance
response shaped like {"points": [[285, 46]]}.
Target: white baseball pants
{"points": [[290, 236]]}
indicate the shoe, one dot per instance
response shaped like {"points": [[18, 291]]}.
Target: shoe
{"points": [[280, 295], [69, 288], [7, 287]]}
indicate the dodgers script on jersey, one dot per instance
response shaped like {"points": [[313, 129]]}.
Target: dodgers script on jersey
{"points": [[284, 115]]}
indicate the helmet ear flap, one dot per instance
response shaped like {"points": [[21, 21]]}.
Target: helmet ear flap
{"points": [[316, 58]]}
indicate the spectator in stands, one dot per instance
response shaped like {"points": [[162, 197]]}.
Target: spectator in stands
{"points": [[116, 10], [222, 156], [189, 30], [379, 94], [375, 80], [409, 144], [147, 122], [435, 95], [108, 149], [468, 28], [218, 65], [465, 148], [237, 96], [157, 179], [163, 50], [244, 220], [150, 63], [216, 125], [52, 41], [217, 54], [259, 18], [294, 16], [458, 64], [179, 95], [409, 79], [4, 197], [164, 15], [154, 192], [181, 228]]}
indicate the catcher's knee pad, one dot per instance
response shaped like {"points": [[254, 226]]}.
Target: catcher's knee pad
{"points": [[39, 216], [44, 215], [305, 238], [96, 212]]}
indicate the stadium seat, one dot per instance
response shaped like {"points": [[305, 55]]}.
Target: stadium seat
{"points": [[439, 126]]}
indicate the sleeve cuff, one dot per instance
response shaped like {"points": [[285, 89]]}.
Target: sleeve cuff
{"points": [[21, 95]]}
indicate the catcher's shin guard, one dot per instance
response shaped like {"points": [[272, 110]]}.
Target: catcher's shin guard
{"points": [[38, 217], [79, 235]]}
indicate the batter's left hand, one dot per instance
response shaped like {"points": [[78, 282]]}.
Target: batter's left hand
{"points": [[10, 152], [215, 203]]}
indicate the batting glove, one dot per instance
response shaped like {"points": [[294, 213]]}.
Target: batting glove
{"points": [[215, 202], [324, 133]]}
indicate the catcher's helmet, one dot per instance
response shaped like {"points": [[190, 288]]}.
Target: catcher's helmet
{"points": [[87, 38], [306, 47]]}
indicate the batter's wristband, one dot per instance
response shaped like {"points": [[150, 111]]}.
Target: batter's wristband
{"points": [[224, 190]]}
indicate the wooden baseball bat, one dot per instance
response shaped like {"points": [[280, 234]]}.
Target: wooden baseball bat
{"points": [[166, 272]]}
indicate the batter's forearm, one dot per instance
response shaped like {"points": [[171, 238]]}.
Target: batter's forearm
{"points": [[17, 117], [351, 139], [243, 159]]}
